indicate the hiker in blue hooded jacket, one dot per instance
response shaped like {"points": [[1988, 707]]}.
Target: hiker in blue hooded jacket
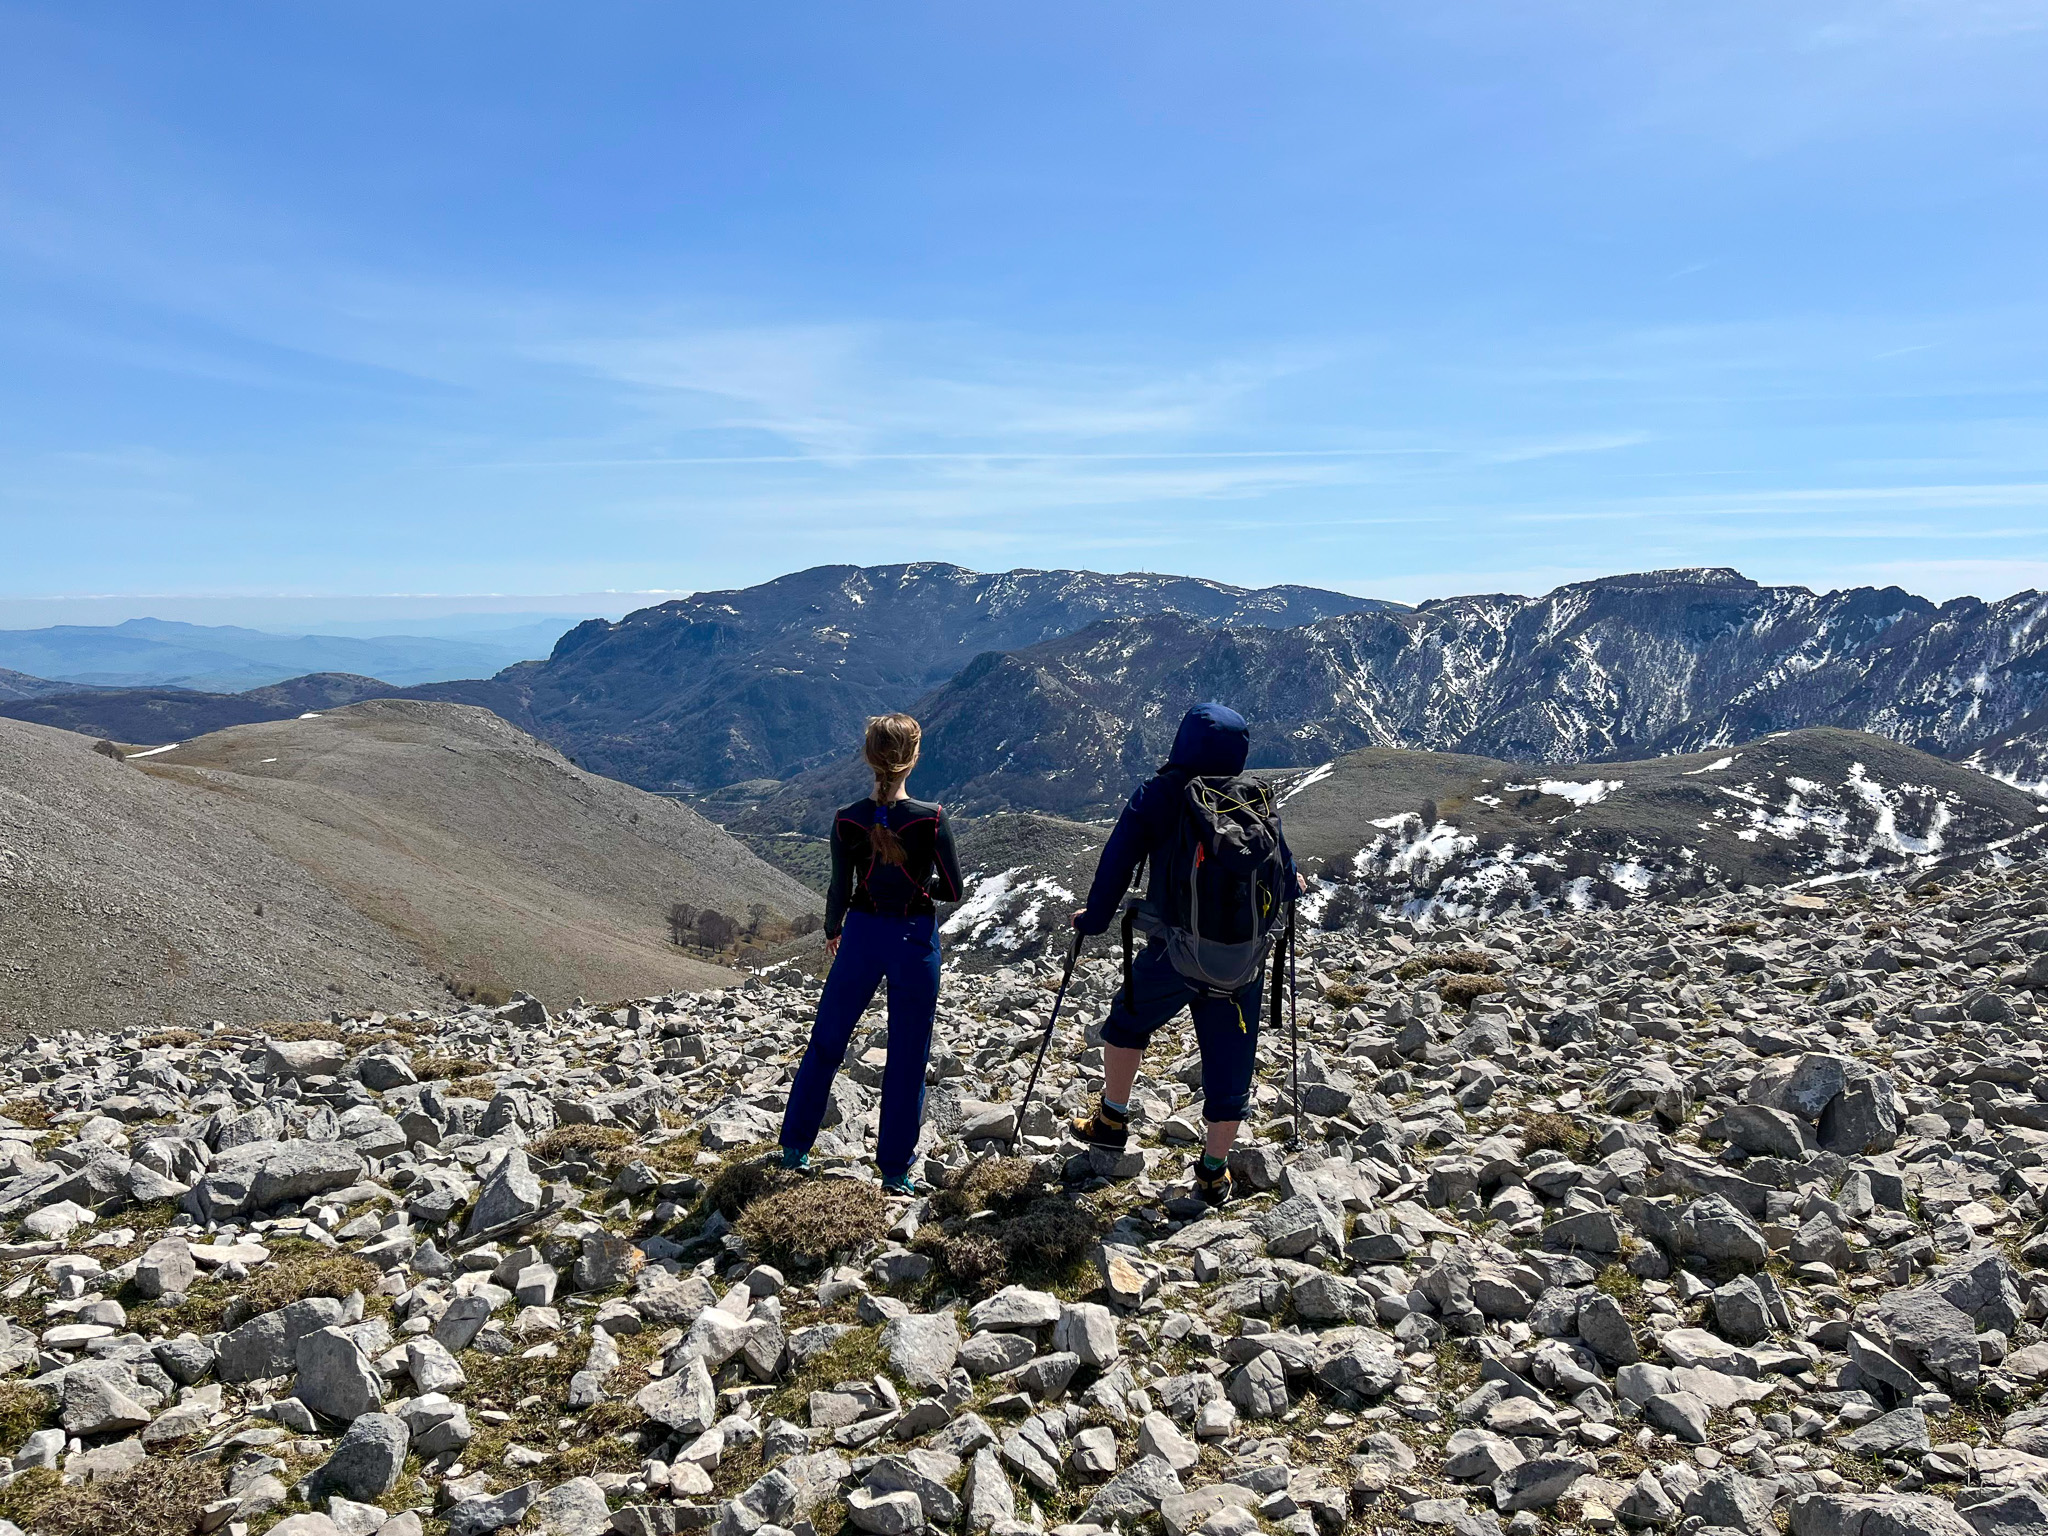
{"points": [[1213, 741]]}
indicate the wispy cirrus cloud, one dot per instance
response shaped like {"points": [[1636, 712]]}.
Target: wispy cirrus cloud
{"points": [[850, 391]]}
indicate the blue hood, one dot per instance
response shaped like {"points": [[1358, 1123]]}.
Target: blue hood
{"points": [[1212, 741]]}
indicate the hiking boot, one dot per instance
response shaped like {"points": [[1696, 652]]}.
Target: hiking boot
{"points": [[1106, 1128], [1213, 1185], [899, 1184], [795, 1160]]}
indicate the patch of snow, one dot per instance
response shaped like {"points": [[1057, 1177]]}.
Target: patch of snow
{"points": [[1632, 876], [1487, 799], [311, 714], [153, 751], [1887, 833], [1315, 775], [1591, 792], [1001, 911], [1718, 765]]}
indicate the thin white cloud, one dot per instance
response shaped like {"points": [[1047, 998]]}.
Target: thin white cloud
{"points": [[853, 392], [1563, 447]]}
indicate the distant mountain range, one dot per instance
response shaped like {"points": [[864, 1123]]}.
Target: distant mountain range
{"points": [[1054, 691], [1628, 666], [15, 686], [157, 716], [761, 683], [146, 653]]}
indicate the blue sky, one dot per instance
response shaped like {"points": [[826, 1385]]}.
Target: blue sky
{"points": [[305, 301]]}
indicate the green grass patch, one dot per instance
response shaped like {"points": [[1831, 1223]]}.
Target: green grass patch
{"points": [[853, 1356]]}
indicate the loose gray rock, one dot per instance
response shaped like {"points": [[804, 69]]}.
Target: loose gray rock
{"points": [[334, 1380], [922, 1347], [368, 1459]]}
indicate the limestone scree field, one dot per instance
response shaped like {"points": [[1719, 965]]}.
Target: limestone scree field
{"points": [[1718, 1212]]}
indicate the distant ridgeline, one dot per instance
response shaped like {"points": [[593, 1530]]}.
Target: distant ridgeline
{"points": [[1052, 692]]}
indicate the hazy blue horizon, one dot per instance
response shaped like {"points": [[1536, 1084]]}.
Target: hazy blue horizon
{"points": [[298, 303]]}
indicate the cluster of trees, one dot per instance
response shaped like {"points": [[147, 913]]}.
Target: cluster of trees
{"points": [[693, 927]]}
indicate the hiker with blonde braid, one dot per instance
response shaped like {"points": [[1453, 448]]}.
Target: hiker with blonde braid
{"points": [[892, 859]]}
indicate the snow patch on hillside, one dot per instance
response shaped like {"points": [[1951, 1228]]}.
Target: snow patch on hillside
{"points": [[1315, 775], [1591, 792], [1002, 911]]}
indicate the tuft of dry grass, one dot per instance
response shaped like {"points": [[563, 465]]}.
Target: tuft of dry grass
{"points": [[295, 1271], [1740, 930], [808, 1222], [165, 1038], [588, 1143], [1464, 991], [429, 1068], [158, 1497], [1459, 962], [473, 1088], [23, 1411], [744, 1177], [30, 1113], [303, 1029], [1556, 1133]]}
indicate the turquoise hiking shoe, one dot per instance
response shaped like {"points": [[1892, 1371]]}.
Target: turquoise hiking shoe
{"points": [[795, 1160]]}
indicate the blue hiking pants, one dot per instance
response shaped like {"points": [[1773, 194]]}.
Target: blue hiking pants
{"points": [[906, 950], [1226, 1028]]}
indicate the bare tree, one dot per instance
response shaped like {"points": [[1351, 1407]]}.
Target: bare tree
{"points": [[682, 920]]}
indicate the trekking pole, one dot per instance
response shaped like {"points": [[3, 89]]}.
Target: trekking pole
{"points": [[1051, 1023], [1293, 1025]]}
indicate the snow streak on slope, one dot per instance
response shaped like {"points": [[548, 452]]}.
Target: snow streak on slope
{"points": [[1810, 806], [1003, 910]]}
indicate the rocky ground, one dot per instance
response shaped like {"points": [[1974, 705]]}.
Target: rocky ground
{"points": [[1724, 1213]]}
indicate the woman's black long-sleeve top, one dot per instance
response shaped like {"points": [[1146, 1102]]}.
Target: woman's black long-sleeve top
{"points": [[861, 882]]}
